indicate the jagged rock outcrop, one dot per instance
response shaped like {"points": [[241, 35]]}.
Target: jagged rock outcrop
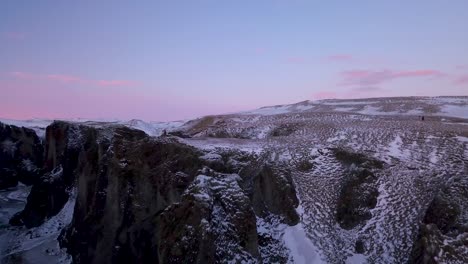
{"points": [[127, 183], [271, 190], [284, 130], [268, 185], [21, 156], [46, 199], [142, 199], [66, 145], [50, 192], [443, 234], [213, 223], [159, 213], [218, 127]]}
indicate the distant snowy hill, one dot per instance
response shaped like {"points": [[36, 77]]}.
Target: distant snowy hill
{"points": [[282, 119], [431, 106], [455, 107]]}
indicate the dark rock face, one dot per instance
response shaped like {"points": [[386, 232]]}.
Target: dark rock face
{"points": [[213, 223], [359, 193], [348, 158], [272, 191], [284, 130], [149, 205], [66, 144], [216, 127], [443, 232], [269, 186], [142, 199], [21, 156], [50, 192], [47, 198], [119, 188]]}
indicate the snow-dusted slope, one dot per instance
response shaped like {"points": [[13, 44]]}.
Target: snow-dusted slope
{"points": [[419, 159], [431, 106]]}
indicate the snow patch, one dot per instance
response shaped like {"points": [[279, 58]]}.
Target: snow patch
{"points": [[340, 136], [373, 110], [356, 259], [454, 111], [344, 109], [462, 139], [433, 156], [153, 129], [211, 157], [395, 148]]}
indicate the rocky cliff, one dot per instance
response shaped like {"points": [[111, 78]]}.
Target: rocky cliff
{"points": [[142, 199], [21, 156]]}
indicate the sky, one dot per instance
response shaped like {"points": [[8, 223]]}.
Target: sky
{"points": [[174, 60]]}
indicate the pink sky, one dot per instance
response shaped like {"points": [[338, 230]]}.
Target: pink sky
{"points": [[172, 60], [32, 95]]}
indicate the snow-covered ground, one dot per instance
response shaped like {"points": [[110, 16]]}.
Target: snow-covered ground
{"points": [[418, 157], [301, 248], [430, 106], [37, 245]]}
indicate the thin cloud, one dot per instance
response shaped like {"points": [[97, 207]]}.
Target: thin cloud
{"points": [[372, 78], [348, 58], [461, 79], [110, 83], [71, 79], [64, 78], [14, 35], [22, 75], [340, 57]]}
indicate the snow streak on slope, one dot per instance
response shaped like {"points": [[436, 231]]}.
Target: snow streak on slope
{"points": [[430, 106], [303, 251]]}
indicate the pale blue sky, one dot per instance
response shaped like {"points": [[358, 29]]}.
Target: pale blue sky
{"points": [[165, 60]]}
